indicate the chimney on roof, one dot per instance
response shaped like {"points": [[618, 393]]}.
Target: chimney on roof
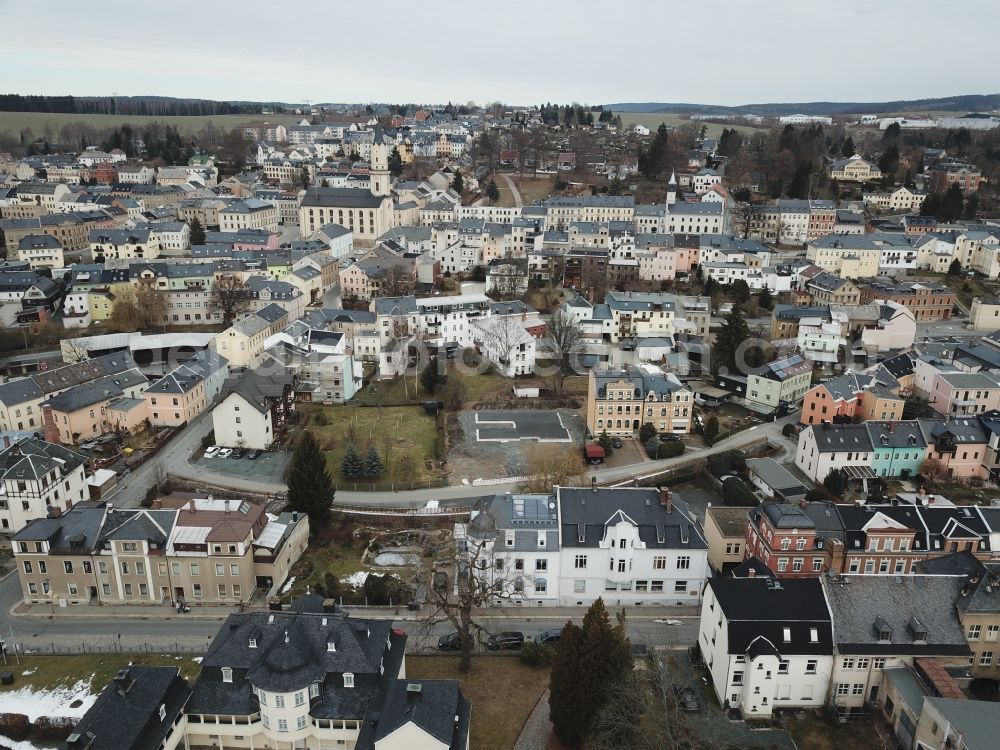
{"points": [[593, 484], [803, 504], [6, 441], [295, 516], [892, 427], [751, 572], [666, 499]]}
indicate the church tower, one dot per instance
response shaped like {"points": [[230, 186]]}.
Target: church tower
{"points": [[379, 171], [672, 189]]}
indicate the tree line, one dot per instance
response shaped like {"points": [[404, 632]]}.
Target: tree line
{"points": [[128, 105]]}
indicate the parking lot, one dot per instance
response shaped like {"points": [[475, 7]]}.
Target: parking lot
{"points": [[510, 426], [507, 447], [268, 467]]}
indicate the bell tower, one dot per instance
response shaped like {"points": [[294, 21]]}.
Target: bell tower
{"points": [[379, 170], [672, 189]]}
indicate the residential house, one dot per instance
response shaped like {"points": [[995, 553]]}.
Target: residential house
{"points": [[855, 169], [621, 401], [40, 251], [140, 707], [779, 383], [38, 476], [79, 413], [984, 314], [249, 213], [783, 536], [848, 397], [767, 644], [882, 622], [252, 408], [963, 393], [725, 534], [927, 301], [635, 546], [194, 550]]}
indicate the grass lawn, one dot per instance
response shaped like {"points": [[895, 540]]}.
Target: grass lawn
{"points": [[50, 672], [532, 189], [14, 122], [411, 435], [502, 690], [506, 196], [340, 559], [812, 732], [652, 121]]}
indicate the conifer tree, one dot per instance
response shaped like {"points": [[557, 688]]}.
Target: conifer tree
{"points": [[351, 465], [310, 488], [373, 467]]}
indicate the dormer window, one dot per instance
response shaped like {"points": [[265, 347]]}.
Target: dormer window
{"points": [[348, 680], [331, 647], [227, 674], [163, 712]]}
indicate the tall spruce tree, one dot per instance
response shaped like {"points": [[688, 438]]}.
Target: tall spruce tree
{"points": [[727, 341], [566, 687], [373, 467], [351, 466], [197, 232], [310, 488], [588, 662], [395, 163]]}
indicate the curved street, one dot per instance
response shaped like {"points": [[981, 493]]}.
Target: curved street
{"points": [[175, 460]]}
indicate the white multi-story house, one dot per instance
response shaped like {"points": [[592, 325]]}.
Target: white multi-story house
{"points": [[822, 448], [629, 546], [767, 643], [36, 476], [506, 343]]}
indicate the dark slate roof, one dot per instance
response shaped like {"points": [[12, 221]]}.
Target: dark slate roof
{"points": [[903, 434], [784, 516], [955, 564], [764, 607], [38, 242], [903, 604], [585, 513], [291, 654], [30, 459], [431, 705], [126, 715], [752, 567], [74, 532], [644, 381], [841, 437], [341, 197]]}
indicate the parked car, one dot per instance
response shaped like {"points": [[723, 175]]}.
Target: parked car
{"points": [[616, 443], [224, 453], [238, 453], [511, 639], [549, 637], [212, 452], [254, 454], [687, 698], [669, 438], [450, 642]]}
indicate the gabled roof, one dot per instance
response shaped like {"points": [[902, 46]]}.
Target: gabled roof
{"points": [[126, 715]]}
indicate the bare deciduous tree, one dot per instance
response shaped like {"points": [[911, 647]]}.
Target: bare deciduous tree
{"points": [[563, 341], [553, 464], [462, 575], [644, 712], [229, 297]]}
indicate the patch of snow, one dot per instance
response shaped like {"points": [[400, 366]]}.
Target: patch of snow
{"points": [[288, 585], [34, 703], [29, 671], [197, 659], [357, 579], [22, 745]]}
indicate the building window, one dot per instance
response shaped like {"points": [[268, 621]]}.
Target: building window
{"points": [[737, 678], [878, 663], [541, 565], [973, 634], [300, 698], [986, 658], [659, 562], [843, 688], [684, 562], [580, 562], [991, 632], [227, 674], [282, 725], [348, 680], [811, 666]]}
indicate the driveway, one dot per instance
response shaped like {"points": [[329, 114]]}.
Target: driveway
{"points": [[268, 468], [514, 191]]}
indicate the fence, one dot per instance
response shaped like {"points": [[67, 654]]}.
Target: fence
{"points": [[67, 647], [453, 510]]}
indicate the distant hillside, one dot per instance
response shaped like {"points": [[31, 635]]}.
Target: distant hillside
{"points": [[144, 106], [964, 103]]}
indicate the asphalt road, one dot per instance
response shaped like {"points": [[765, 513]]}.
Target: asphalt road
{"points": [[159, 628]]}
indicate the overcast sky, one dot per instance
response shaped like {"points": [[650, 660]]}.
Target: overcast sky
{"points": [[517, 51]]}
